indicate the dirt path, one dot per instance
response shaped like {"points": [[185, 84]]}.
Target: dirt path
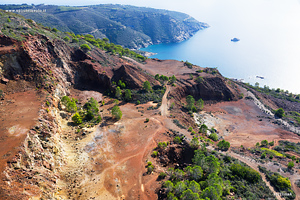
{"points": [[164, 105]]}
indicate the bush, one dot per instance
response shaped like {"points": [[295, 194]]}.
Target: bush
{"points": [[291, 165], [246, 173], [190, 129], [147, 86], [85, 47], [77, 118], [75, 40], [279, 113], [67, 39], [264, 143], [162, 175], [154, 154], [147, 120], [116, 112], [214, 137], [223, 145], [177, 140]]}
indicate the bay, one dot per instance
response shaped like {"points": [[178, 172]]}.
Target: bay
{"points": [[269, 46]]}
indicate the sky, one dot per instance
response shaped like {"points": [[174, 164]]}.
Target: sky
{"points": [[175, 5]]}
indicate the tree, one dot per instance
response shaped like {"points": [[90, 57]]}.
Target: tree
{"points": [[179, 188], [171, 196], [147, 86], [211, 193], [213, 136], [264, 143], [189, 195], [127, 95], [85, 47], [156, 76], [190, 101], [196, 173], [173, 79], [203, 129], [279, 113], [77, 118], [223, 145], [200, 104], [116, 112], [71, 106], [194, 186], [118, 93], [169, 186], [194, 143]]}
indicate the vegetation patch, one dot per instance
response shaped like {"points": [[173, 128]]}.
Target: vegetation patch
{"points": [[272, 152]]}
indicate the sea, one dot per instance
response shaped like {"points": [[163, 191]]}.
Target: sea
{"points": [[268, 52]]}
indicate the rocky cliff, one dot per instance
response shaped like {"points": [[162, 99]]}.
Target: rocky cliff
{"points": [[44, 155], [129, 26]]}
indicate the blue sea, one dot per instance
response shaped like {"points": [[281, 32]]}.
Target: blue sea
{"points": [[269, 46]]}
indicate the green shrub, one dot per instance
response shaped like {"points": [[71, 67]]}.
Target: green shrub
{"points": [[214, 136], [177, 140], [154, 154], [279, 113], [85, 47], [147, 120], [77, 119], [264, 143], [291, 165], [223, 145], [190, 129], [75, 40], [54, 30], [116, 113], [67, 39], [162, 175]]}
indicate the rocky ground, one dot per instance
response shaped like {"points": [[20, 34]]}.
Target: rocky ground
{"points": [[44, 155]]}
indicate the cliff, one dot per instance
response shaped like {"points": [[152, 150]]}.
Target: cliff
{"points": [[129, 26]]}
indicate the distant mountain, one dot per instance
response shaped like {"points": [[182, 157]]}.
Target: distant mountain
{"points": [[129, 26]]}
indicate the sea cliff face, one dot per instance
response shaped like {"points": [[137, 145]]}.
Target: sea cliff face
{"points": [[129, 26]]}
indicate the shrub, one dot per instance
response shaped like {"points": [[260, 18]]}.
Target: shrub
{"points": [[162, 145], [127, 95], [246, 173], [264, 143], [67, 39], [147, 86], [116, 112], [190, 129], [77, 118], [177, 140], [8, 20], [223, 145], [213, 136], [279, 113], [54, 30], [154, 154], [271, 143], [75, 40], [203, 129], [162, 175], [291, 165], [190, 102], [85, 47], [147, 120]]}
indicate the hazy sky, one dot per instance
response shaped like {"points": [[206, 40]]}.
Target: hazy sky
{"points": [[176, 5]]}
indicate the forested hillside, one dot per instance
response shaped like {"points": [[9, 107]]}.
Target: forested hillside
{"points": [[129, 26]]}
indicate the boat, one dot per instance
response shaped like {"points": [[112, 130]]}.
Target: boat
{"points": [[235, 39], [261, 77]]}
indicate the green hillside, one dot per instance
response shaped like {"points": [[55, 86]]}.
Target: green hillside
{"points": [[129, 26]]}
